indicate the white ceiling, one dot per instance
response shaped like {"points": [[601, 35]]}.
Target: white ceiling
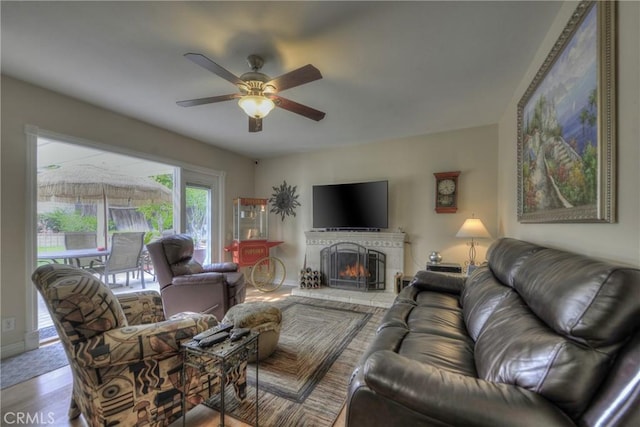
{"points": [[391, 69]]}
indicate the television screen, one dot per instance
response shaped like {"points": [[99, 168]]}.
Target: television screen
{"points": [[354, 206]]}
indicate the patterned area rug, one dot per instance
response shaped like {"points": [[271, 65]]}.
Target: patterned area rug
{"points": [[304, 382], [40, 361]]}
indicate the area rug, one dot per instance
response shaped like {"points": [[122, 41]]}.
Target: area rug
{"points": [[31, 364], [304, 382]]}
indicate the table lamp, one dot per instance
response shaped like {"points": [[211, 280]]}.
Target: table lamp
{"points": [[473, 228]]}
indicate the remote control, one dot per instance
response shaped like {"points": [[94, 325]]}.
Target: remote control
{"points": [[192, 343], [213, 339], [236, 334], [222, 327]]}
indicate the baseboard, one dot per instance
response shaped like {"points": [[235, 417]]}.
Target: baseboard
{"points": [[12, 349], [31, 342], [290, 283]]}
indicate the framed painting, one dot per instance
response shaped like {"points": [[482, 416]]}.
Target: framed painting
{"points": [[566, 125]]}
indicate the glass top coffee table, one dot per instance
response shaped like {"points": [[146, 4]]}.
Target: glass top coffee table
{"points": [[226, 362]]}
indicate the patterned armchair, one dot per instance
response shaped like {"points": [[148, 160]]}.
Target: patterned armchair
{"points": [[125, 357]]}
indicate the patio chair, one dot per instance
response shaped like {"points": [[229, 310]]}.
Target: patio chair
{"points": [[124, 257], [125, 357], [186, 285], [81, 240]]}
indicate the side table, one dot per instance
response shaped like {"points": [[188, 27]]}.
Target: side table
{"points": [[401, 282], [220, 360], [443, 267]]}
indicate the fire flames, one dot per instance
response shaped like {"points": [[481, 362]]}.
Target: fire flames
{"points": [[356, 270]]}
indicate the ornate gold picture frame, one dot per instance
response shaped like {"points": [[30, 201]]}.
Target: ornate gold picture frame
{"points": [[566, 125]]}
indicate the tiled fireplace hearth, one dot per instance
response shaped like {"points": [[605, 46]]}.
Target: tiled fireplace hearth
{"points": [[389, 244]]}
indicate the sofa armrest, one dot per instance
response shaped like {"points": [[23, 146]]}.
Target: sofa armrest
{"points": [[438, 282], [221, 267], [454, 399], [131, 344], [141, 307]]}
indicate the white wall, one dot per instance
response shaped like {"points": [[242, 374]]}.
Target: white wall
{"points": [[619, 241], [408, 164], [24, 104]]}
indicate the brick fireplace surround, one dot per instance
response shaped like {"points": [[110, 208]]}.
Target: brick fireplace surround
{"points": [[391, 244]]}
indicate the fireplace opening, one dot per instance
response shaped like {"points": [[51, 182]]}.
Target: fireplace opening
{"points": [[354, 271], [353, 267]]}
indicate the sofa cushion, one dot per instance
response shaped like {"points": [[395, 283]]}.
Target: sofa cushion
{"points": [[441, 351], [558, 331], [506, 257], [593, 302], [480, 296], [516, 347], [429, 327], [436, 320]]}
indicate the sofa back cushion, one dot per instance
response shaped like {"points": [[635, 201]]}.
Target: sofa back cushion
{"points": [[506, 257], [557, 331], [177, 248], [516, 347], [592, 302], [479, 298]]}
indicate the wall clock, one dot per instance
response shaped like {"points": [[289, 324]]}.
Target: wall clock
{"points": [[447, 192]]}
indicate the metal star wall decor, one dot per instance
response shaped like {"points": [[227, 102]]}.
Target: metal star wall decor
{"points": [[284, 200]]}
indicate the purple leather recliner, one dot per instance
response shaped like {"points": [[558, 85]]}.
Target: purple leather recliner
{"points": [[186, 285]]}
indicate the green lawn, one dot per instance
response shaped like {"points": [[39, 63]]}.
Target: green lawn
{"points": [[43, 249], [50, 248]]}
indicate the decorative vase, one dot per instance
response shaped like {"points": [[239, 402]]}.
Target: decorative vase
{"points": [[435, 257]]}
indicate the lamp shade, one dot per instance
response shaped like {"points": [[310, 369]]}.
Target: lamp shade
{"points": [[256, 106], [473, 228]]}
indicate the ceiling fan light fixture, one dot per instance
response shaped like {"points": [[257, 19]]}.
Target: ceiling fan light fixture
{"points": [[256, 106]]}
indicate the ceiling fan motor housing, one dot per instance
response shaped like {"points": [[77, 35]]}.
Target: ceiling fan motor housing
{"points": [[254, 83]]}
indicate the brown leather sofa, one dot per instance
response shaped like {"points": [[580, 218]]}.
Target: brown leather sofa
{"points": [[537, 337], [186, 285]]}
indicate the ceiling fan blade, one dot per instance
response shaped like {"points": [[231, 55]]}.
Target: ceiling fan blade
{"points": [[294, 107], [294, 78], [205, 62], [209, 100], [255, 125]]}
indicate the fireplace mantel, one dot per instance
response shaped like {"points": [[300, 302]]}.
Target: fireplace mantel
{"points": [[371, 239], [389, 243]]}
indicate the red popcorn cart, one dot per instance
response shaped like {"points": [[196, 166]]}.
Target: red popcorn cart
{"points": [[250, 247]]}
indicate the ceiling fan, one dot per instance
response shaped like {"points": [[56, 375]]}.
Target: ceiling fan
{"points": [[258, 92]]}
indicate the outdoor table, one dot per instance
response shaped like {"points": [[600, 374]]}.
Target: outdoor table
{"points": [[69, 254]]}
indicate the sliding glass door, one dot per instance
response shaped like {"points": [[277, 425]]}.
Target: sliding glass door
{"points": [[86, 195], [199, 207], [179, 199]]}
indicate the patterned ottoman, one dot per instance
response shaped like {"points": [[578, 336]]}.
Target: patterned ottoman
{"points": [[260, 317]]}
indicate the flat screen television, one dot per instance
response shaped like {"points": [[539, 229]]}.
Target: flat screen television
{"points": [[355, 206]]}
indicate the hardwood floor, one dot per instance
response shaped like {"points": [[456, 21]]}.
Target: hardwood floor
{"points": [[47, 397]]}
